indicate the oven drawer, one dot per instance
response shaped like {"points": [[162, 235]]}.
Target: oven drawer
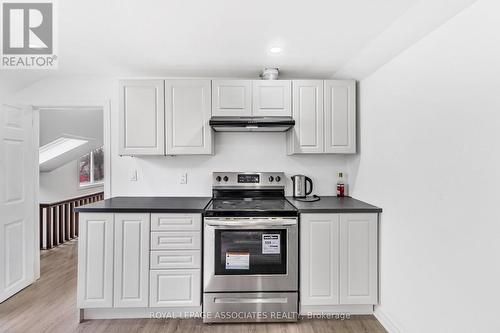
{"points": [[162, 259], [273, 306], [175, 240], [180, 222]]}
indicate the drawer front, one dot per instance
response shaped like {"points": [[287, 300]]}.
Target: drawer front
{"points": [[175, 288], [162, 259], [175, 240], [181, 222]]}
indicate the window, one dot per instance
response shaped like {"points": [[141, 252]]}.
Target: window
{"points": [[91, 168]]}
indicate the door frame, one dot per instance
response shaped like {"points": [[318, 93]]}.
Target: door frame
{"points": [[105, 106]]}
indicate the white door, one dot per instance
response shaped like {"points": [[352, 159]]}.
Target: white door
{"points": [[131, 276], [272, 98], [319, 257], [142, 114], [18, 166], [307, 105], [187, 290], [188, 109], [358, 258], [340, 116], [95, 260], [231, 98]]}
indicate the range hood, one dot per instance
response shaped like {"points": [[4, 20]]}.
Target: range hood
{"points": [[251, 124]]}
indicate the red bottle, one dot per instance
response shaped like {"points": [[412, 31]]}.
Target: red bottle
{"points": [[340, 185]]}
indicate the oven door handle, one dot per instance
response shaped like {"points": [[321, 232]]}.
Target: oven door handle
{"points": [[250, 223]]}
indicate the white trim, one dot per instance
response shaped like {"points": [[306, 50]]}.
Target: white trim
{"points": [[385, 321], [123, 313], [36, 217], [354, 309]]}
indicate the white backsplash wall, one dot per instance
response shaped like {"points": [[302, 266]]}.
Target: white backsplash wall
{"points": [[233, 152]]}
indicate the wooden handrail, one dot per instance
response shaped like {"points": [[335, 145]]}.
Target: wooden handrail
{"points": [[72, 199], [59, 222]]}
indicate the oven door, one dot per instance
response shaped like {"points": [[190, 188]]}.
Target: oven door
{"points": [[250, 254]]}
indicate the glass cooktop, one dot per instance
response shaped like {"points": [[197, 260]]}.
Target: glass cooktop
{"points": [[250, 207]]}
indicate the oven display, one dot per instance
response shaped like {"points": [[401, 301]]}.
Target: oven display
{"points": [[245, 178]]}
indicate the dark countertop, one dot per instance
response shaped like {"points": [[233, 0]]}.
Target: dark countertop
{"points": [[148, 204], [332, 204], [327, 204]]}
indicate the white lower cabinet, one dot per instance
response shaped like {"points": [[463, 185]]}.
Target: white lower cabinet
{"points": [[122, 263], [358, 259], [175, 265], [338, 255], [319, 258], [175, 288], [95, 260], [131, 278]]}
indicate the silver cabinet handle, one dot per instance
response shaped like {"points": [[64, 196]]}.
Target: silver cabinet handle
{"points": [[243, 300], [250, 223]]}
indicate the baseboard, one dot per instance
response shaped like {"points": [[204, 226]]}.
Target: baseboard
{"points": [[384, 319], [127, 313], [355, 309]]}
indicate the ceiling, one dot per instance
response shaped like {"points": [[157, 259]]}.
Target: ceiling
{"points": [[212, 38]]}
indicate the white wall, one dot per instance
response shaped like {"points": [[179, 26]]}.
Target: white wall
{"points": [[429, 132], [160, 175], [62, 184]]}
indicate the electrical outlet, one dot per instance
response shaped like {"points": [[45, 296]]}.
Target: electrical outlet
{"points": [[133, 176], [183, 179]]}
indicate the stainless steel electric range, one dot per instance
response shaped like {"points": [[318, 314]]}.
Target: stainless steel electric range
{"points": [[250, 250]]}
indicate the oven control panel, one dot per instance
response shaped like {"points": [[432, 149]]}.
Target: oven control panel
{"points": [[248, 179]]}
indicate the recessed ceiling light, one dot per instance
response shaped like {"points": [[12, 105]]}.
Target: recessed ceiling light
{"points": [[275, 49]]}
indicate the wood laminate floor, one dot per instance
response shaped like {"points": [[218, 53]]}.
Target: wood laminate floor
{"points": [[49, 305]]}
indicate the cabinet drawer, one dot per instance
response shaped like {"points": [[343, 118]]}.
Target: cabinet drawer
{"points": [[175, 259], [175, 240], [181, 222], [175, 288]]}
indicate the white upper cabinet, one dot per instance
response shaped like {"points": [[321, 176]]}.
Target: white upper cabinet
{"points": [[231, 97], [131, 268], [188, 111], [307, 136], [141, 112], [272, 98], [340, 116], [325, 117]]}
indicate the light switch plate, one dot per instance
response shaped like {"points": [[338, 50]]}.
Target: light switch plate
{"points": [[133, 176], [183, 178]]}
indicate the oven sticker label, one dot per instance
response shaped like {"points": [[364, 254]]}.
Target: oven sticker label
{"points": [[271, 243], [237, 260]]}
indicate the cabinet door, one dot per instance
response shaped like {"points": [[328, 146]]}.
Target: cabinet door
{"points": [[175, 288], [188, 105], [231, 98], [358, 259], [340, 116], [142, 114], [319, 258], [307, 134], [131, 276], [272, 98], [95, 260]]}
